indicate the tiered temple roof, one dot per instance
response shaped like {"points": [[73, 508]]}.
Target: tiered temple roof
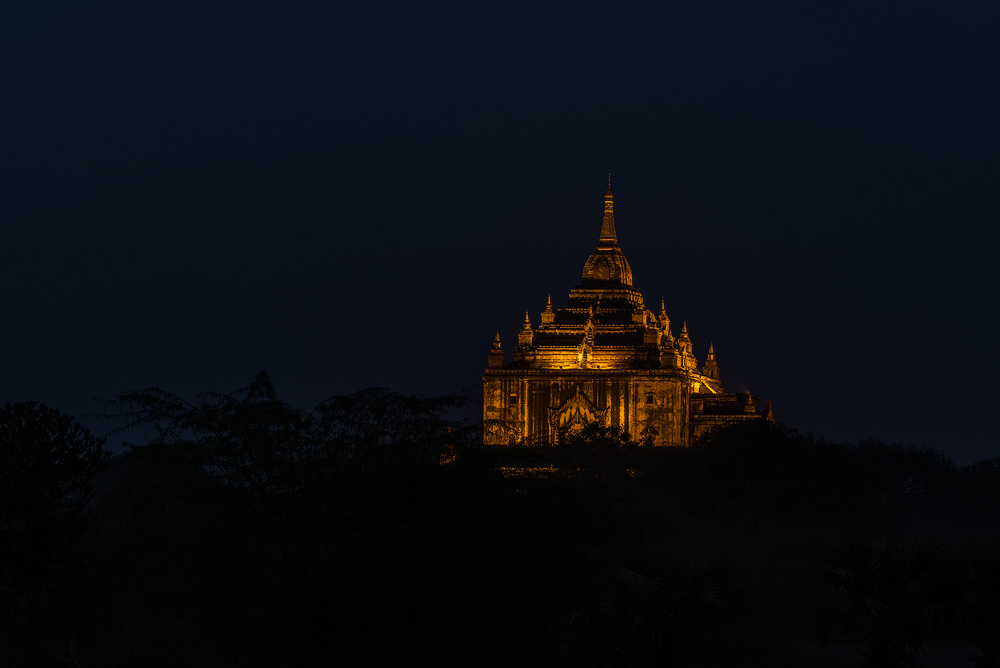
{"points": [[605, 324]]}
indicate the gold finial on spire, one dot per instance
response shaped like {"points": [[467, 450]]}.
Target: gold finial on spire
{"points": [[496, 340], [527, 320], [548, 303], [608, 235], [711, 351]]}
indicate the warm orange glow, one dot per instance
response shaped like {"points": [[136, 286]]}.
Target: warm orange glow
{"points": [[527, 471], [598, 359]]}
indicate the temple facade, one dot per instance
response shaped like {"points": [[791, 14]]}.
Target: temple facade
{"points": [[605, 358]]}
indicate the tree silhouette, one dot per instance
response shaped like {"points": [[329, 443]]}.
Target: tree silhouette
{"points": [[248, 439], [46, 464], [981, 605], [596, 449], [752, 455], [274, 454], [890, 595], [650, 604]]}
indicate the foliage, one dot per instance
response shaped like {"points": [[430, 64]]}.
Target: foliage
{"points": [[375, 529], [595, 449], [47, 462], [275, 454], [900, 473], [980, 484], [650, 604], [890, 595], [981, 604], [756, 462]]}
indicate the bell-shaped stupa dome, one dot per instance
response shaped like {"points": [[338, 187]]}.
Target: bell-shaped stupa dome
{"points": [[607, 266]]}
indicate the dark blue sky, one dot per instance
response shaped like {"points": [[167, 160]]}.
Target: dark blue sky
{"points": [[354, 195]]}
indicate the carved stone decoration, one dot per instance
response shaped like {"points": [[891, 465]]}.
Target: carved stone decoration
{"points": [[576, 413], [649, 433]]}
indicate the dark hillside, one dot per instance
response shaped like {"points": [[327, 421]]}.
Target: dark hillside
{"points": [[375, 531]]}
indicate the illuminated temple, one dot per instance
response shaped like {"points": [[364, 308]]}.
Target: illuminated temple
{"points": [[605, 358]]}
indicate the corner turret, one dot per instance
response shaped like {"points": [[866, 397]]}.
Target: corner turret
{"points": [[497, 359], [688, 360], [548, 315], [711, 368], [525, 336], [665, 321]]}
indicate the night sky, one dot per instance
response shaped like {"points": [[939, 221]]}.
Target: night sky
{"points": [[348, 195]]}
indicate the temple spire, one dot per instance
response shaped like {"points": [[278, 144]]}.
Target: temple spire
{"points": [[665, 321], [497, 359], [711, 368], [608, 235], [687, 348], [525, 336], [548, 315]]}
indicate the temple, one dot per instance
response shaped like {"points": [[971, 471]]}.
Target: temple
{"points": [[606, 358]]}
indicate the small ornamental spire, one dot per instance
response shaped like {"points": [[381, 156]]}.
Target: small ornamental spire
{"points": [[608, 235], [497, 359], [664, 320], [711, 368], [687, 348], [525, 336], [548, 315]]}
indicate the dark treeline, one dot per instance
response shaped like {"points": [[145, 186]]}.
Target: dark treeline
{"points": [[377, 530]]}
